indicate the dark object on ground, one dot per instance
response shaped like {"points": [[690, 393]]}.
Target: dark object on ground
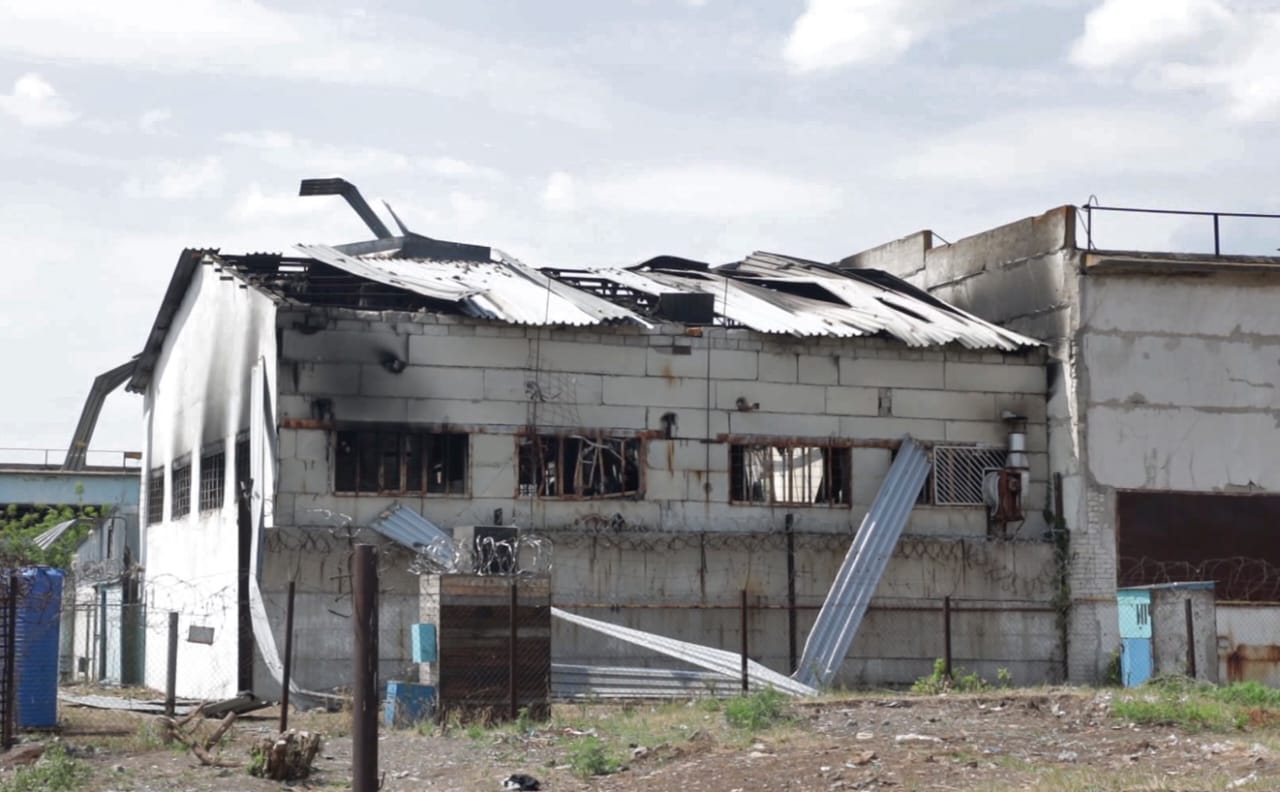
{"points": [[284, 757], [522, 782], [28, 753]]}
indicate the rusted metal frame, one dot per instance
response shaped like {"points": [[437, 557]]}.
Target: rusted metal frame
{"points": [[404, 432], [531, 435], [749, 442]]}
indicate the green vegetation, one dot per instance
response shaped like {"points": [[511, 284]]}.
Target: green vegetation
{"points": [[588, 757], [757, 711], [959, 682], [1194, 706], [19, 526], [54, 772]]}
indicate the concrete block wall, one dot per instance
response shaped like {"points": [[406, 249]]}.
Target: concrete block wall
{"points": [[628, 381]]}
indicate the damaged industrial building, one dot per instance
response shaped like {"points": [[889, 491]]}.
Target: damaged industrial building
{"points": [[670, 443]]}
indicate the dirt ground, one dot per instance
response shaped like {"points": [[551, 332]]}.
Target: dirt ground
{"points": [[1059, 739]]}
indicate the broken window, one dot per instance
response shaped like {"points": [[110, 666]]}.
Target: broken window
{"points": [[181, 489], [578, 466], [155, 496], [795, 475], [400, 461], [213, 469], [959, 472]]}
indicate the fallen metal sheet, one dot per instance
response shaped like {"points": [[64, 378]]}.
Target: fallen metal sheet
{"points": [[46, 540], [846, 603], [504, 289], [727, 664], [406, 527], [616, 682], [148, 706]]}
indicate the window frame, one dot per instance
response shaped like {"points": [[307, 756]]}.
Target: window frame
{"points": [[155, 496], [181, 488], [561, 442], [216, 490], [407, 441], [838, 454]]}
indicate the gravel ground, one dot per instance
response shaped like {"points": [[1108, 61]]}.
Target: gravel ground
{"points": [[1037, 740]]}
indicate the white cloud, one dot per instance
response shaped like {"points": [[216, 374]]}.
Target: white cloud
{"points": [[1125, 31], [715, 190], [171, 179], [832, 33], [247, 38], [324, 159], [468, 210], [35, 103], [254, 205], [1223, 49], [152, 122], [1064, 143], [558, 195]]}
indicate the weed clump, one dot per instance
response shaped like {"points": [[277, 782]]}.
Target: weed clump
{"points": [[588, 757], [757, 711], [959, 682], [55, 772]]}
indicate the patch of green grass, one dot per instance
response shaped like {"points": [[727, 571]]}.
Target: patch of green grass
{"points": [[1182, 702], [55, 772], [757, 711], [588, 756]]}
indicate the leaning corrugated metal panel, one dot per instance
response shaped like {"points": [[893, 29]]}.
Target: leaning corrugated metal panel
{"points": [[718, 660], [619, 682], [410, 529], [846, 603]]}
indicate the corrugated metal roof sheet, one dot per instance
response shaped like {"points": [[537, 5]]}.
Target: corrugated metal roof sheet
{"points": [[856, 581], [410, 529], [504, 289]]}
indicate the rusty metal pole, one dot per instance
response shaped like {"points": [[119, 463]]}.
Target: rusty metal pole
{"points": [[946, 636], [288, 660], [793, 659], [745, 681], [1191, 641], [512, 685], [171, 670], [364, 705]]}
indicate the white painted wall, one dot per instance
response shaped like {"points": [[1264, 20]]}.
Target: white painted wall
{"points": [[199, 396]]}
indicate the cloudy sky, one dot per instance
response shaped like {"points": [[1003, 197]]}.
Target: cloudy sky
{"points": [[582, 132]]}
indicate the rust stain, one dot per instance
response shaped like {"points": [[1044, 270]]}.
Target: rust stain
{"points": [[1252, 662], [305, 423], [671, 457], [667, 374]]}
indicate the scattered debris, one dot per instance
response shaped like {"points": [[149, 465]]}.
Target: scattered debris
{"points": [[864, 758], [186, 731], [522, 783], [916, 738], [22, 754]]}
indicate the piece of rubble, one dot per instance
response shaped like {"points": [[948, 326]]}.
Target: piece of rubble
{"points": [[916, 738]]}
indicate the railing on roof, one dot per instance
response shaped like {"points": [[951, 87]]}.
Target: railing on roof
{"points": [[1089, 208], [52, 459]]}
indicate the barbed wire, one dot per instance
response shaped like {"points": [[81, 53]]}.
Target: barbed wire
{"points": [[1236, 578]]}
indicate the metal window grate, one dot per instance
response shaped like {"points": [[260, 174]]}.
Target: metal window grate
{"points": [[155, 496], [181, 490], [958, 472], [213, 470]]}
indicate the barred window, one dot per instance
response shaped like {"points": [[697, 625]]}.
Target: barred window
{"points": [[155, 496], [181, 489], [578, 466], [959, 471], [794, 475], [213, 476], [401, 461]]}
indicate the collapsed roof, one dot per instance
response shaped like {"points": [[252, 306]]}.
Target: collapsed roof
{"points": [[765, 292]]}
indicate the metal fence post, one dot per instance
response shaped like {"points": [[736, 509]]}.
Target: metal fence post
{"points": [[512, 684], [1191, 640], [11, 661], [946, 637], [288, 660], [745, 681], [171, 672], [364, 715], [793, 657]]}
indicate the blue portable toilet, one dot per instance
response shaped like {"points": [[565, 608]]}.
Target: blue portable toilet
{"points": [[1136, 662], [36, 632]]}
